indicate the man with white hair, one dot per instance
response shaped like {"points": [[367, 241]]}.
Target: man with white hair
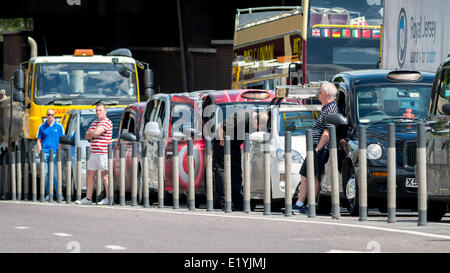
{"points": [[320, 142]]}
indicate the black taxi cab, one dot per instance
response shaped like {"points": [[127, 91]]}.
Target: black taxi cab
{"points": [[375, 98], [438, 144]]}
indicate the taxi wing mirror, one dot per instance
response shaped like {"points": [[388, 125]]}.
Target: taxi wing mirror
{"points": [[128, 136], [446, 108], [66, 140], [257, 137], [152, 130], [337, 119]]}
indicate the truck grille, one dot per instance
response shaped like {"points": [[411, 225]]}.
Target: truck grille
{"points": [[410, 154]]}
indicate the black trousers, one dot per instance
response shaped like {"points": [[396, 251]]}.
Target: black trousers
{"points": [[237, 198]]}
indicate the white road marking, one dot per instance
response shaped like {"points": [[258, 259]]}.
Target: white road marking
{"points": [[282, 219], [113, 247], [62, 234], [22, 228]]}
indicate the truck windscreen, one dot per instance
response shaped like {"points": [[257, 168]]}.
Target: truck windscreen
{"points": [[83, 80]]}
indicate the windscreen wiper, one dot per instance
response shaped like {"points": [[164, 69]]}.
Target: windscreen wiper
{"points": [[106, 102], [396, 118]]}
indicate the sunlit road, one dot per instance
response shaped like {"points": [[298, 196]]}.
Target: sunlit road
{"points": [[43, 227]]}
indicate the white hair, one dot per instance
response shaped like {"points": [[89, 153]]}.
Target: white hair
{"points": [[330, 89]]}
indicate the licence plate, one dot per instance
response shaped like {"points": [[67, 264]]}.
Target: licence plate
{"points": [[411, 183]]}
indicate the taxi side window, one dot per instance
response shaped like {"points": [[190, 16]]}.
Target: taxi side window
{"points": [[444, 90], [125, 122], [161, 114], [340, 100]]}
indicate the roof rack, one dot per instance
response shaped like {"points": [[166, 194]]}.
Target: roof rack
{"points": [[306, 91]]}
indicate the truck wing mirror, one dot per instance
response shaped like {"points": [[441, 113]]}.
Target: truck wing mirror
{"points": [[18, 96], [148, 82], [446, 108], [152, 130], [19, 80], [337, 119], [128, 136], [66, 140]]}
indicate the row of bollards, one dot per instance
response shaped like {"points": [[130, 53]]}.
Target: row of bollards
{"points": [[14, 173]]}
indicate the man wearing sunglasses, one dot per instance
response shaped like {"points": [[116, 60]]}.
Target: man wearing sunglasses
{"points": [[48, 139]]}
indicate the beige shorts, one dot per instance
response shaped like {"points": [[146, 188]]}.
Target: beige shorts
{"points": [[98, 162]]}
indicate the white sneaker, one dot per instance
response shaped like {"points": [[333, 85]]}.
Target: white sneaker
{"points": [[84, 201], [105, 201]]}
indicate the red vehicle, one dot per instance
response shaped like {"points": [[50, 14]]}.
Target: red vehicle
{"points": [[170, 116], [129, 133]]}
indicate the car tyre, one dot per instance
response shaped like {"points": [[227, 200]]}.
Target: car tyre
{"points": [[323, 204], [436, 210], [350, 187]]}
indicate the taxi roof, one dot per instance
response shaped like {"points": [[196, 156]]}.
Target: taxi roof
{"points": [[235, 95]]}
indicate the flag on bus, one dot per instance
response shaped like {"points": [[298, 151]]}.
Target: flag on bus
{"points": [[316, 32], [366, 33], [336, 33], [376, 33], [346, 33], [356, 33], [326, 32]]}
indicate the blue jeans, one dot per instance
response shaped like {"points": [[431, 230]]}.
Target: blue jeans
{"points": [[47, 160]]}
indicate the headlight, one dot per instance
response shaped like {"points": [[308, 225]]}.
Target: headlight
{"points": [[296, 156], [374, 151]]}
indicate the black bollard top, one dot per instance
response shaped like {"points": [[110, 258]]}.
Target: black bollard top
{"points": [[175, 147], [391, 135], [58, 155], [246, 143], [421, 135], [122, 150], [332, 131], [227, 145], [362, 137], [42, 155], [288, 142], [309, 141], [135, 149], [78, 153], [51, 153], [19, 158], [208, 146], [110, 151], [160, 149], [190, 147]]}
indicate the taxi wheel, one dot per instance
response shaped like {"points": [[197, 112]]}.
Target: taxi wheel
{"points": [[323, 204], [350, 187], [436, 210], [277, 204]]}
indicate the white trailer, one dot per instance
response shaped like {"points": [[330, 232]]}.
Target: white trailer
{"points": [[416, 34]]}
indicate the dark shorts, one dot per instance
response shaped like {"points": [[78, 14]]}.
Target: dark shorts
{"points": [[320, 159]]}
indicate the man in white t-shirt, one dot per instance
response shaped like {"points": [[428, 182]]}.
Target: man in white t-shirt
{"points": [[100, 134]]}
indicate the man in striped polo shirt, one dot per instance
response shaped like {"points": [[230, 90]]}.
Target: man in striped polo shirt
{"points": [[100, 135], [320, 142]]}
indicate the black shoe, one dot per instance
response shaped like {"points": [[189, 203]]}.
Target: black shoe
{"points": [[296, 209]]}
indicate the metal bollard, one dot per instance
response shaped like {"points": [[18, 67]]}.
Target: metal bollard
{"points": [[13, 175], [122, 175], [33, 177], [19, 175], [288, 173], [78, 194], [421, 174], [191, 172], [227, 169], [391, 179], [336, 212], [145, 191], [362, 174], [246, 188], [69, 175], [110, 175], [267, 187], [42, 181], [160, 174], [7, 181], [175, 176], [26, 178], [134, 173], [99, 186], [59, 177], [310, 174], [209, 176], [51, 173]]}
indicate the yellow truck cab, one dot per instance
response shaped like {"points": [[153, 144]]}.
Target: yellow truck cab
{"points": [[77, 81]]}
